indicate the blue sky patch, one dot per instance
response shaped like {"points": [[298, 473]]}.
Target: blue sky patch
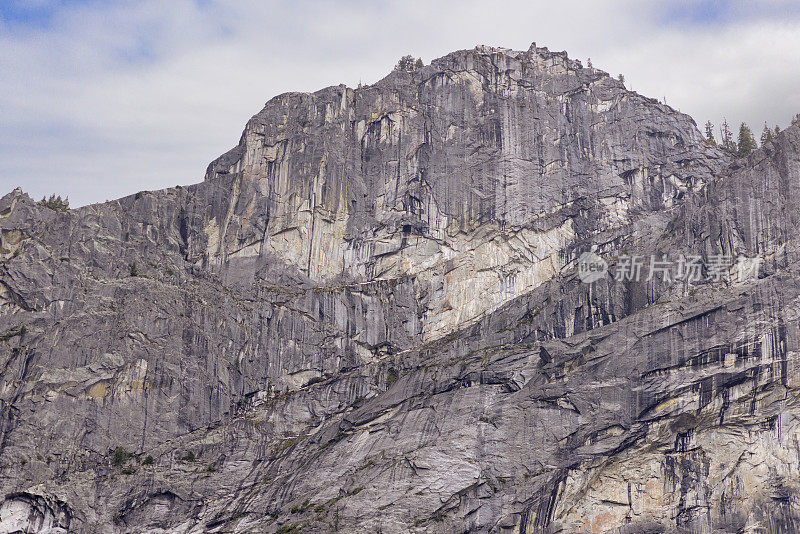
{"points": [[722, 12], [35, 14]]}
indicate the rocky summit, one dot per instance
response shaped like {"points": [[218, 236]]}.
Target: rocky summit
{"points": [[375, 315]]}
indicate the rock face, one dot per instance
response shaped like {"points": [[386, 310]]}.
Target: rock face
{"points": [[367, 318]]}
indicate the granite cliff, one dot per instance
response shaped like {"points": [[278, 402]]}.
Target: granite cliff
{"points": [[368, 318]]}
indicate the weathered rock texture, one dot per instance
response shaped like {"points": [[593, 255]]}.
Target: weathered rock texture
{"points": [[367, 319]]}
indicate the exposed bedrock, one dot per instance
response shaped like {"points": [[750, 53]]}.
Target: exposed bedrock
{"points": [[367, 318]]}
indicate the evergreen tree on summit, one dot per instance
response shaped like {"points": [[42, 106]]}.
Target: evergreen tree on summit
{"points": [[726, 136], [746, 142], [409, 64], [710, 133], [766, 135]]}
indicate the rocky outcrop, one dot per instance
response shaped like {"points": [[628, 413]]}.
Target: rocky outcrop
{"points": [[368, 318]]}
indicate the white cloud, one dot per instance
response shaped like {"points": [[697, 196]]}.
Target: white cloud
{"points": [[105, 102]]}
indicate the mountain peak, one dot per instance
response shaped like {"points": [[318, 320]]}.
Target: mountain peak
{"points": [[497, 293]]}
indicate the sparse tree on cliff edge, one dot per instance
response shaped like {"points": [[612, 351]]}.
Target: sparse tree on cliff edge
{"points": [[746, 142], [408, 63], [726, 136], [766, 135], [55, 202], [710, 133]]}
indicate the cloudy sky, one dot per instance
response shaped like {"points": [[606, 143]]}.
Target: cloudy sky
{"points": [[100, 99]]}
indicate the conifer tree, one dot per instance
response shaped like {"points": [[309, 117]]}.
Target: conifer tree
{"points": [[710, 133], [746, 142], [766, 135], [408, 63], [55, 202], [726, 136]]}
